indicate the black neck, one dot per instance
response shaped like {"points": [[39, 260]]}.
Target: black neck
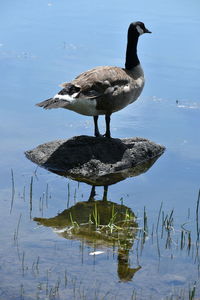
{"points": [[131, 53]]}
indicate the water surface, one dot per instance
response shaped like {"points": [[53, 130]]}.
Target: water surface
{"points": [[45, 44]]}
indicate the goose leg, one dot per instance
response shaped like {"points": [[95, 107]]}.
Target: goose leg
{"points": [[92, 194], [107, 118], [96, 129], [105, 193]]}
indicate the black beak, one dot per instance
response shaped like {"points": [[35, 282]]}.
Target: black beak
{"points": [[147, 31]]}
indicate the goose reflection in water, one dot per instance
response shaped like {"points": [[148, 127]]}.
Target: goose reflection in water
{"points": [[102, 223]]}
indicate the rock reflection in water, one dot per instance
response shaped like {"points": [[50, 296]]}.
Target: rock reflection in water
{"points": [[100, 224]]}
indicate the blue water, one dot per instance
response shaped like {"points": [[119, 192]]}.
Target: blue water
{"points": [[43, 44]]}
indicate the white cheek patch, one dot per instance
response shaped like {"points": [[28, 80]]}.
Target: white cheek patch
{"points": [[139, 29]]}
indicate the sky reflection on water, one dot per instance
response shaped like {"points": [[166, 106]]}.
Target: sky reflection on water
{"points": [[45, 44]]}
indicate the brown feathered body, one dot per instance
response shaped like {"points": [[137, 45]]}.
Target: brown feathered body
{"points": [[102, 90]]}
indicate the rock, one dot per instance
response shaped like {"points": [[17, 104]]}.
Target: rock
{"points": [[97, 161]]}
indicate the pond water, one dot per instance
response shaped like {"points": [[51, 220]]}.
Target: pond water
{"points": [[44, 43]]}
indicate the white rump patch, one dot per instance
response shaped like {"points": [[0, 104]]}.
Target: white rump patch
{"points": [[139, 29], [65, 97], [82, 106]]}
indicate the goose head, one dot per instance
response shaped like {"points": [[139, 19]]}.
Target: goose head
{"points": [[137, 28], [134, 31]]}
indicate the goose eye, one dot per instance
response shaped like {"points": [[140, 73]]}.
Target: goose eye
{"points": [[139, 29]]}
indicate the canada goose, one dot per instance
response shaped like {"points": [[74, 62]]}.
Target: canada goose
{"points": [[104, 90]]}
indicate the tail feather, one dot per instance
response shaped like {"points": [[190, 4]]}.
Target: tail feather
{"points": [[53, 103]]}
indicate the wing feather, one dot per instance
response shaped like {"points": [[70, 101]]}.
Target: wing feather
{"points": [[97, 82]]}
